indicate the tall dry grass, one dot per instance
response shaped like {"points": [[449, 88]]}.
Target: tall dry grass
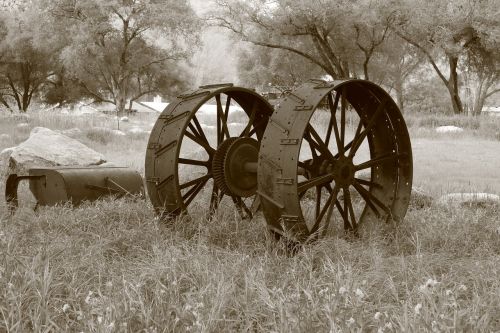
{"points": [[111, 266]]}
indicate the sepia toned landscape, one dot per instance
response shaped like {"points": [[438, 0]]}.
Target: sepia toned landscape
{"points": [[127, 264]]}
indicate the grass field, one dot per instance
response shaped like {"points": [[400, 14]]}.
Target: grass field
{"points": [[110, 266]]}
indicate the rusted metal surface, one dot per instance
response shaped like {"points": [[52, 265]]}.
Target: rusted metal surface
{"points": [[300, 195], [51, 186], [358, 168], [184, 155]]}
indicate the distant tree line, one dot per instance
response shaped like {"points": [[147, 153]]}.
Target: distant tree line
{"points": [[404, 45], [427, 53], [112, 51]]}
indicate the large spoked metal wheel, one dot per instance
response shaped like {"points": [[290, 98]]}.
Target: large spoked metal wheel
{"points": [[334, 151], [203, 149]]}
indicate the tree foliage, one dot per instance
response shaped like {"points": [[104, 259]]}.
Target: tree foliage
{"points": [[259, 67], [338, 36], [27, 54], [450, 35], [384, 41], [114, 50]]}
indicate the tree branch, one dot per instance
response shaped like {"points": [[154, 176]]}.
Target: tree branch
{"points": [[427, 54]]}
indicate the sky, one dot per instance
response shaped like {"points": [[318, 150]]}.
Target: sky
{"points": [[216, 60]]}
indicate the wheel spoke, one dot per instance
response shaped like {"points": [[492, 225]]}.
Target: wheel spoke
{"points": [[363, 192], [375, 161], [201, 142], [193, 192], [368, 128], [255, 205], [333, 123], [220, 134], [349, 209], [307, 184], [242, 208], [342, 117], [312, 146], [304, 165], [318, 201], [226, 111], [370, 197], [193, 162], [222, 129], [195, 181], [358, 137], [368, 183], [331, 199], [215, 198], [260, 123], [251, 119], [315, 139], [345, 149], [199, 128]]}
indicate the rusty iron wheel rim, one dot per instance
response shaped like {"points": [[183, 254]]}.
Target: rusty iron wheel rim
{"points": [[382, 195], [169, 188]]}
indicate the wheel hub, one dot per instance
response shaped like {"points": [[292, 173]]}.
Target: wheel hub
{"points": [[231, 166], [343, 171]]}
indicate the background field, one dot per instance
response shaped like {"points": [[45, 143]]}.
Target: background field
{"points": [[111, 266]]}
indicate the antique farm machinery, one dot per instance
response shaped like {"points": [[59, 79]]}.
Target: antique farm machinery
{"points": [[328, 151]]}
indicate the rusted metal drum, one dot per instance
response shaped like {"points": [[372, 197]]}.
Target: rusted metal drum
{"points": [[51, 186]]}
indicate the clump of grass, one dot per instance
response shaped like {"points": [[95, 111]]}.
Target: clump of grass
{"points": [[423, 124], [111, 266], [99, 135]]}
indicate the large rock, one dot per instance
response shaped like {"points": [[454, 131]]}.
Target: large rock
{"points": [[46, 148], [449, 129], [4, 159]]}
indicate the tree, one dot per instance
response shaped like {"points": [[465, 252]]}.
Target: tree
{"points": [[259, 67], [482, 65], [371, 28], [124, 49], [26, 54], [332, 34], [445, 32], [395, 64]]}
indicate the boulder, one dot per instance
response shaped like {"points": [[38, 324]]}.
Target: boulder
{"points": [[118, 133], [449, 129], [109, 165], [71, 132], [23, 126], [46, 148], [136, 130], [462, 199], [4, 159]]}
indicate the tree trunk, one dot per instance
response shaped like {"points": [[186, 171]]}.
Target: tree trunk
{"points": [[398, 86], [26, 99], [365, 68], [453, 86], [120, 105]]}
